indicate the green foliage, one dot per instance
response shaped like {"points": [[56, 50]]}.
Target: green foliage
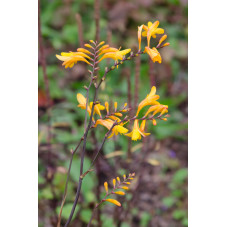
{"points": [[168, 201], [66, 210]]}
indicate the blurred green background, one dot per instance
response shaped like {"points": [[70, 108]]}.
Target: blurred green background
{"points": [[159, 195]]}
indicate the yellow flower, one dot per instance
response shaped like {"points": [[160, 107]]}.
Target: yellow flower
{"points": [[108, 124], [139, 35], [106, 187], [136, 132], [117, 55], [149, 100], [82, 103], [97, 108], [154, 122], [113, 201], [151, 30], [71, 58], [154, 54]]}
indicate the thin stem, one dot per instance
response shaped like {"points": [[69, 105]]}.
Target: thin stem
{"points": [[66, 183], [80, 29], [97, 19]]}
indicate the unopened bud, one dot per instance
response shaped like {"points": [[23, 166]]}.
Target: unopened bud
{"points": [[85, 87], [113, 67]]}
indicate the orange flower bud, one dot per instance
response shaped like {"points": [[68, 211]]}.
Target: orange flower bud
{"points": [[126, 183], [154, 122], [124, 187], [114, 182], [113, 201], [119, 193], [115, 106], [164, 119], [106, 187], [124, 176], [88, 45], [118, 179]]}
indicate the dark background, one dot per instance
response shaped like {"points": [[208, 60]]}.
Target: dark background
{"points": [[158, 196]]}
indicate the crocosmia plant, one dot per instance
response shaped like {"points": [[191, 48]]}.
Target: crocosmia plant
{"points": [[119, 119]]}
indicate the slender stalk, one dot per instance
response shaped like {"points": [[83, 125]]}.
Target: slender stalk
{"points": [[137, 76], [66, 183]]}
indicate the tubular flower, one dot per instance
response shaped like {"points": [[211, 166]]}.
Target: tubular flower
{"points": [[125, 187], [118, 179], [151, 30], [149, 100], [154, 54], [154, 122], [83, 50], [117, 55], [113, 201], [108, 50], [97, 108], [108, 124], [115, 118], [71, 58], [82, 103], [136, 131], [103, 47], [139, 35]]}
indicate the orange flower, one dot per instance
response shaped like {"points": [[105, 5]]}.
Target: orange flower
{"points": [[97, 108], [149, 100], [116, 55], [119, 193], [136, 133], [108, 124], [154, 54], [82, 103], [71, 58], [151, 30]]}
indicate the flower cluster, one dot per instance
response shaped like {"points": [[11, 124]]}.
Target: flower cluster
{"points": [[118, 185], [150, 31], [116, 120], [85, 55]]}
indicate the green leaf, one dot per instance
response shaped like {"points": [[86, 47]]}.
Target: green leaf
{"points": [[145, 218], [180, 176], [168, 201], [85, 215], [179, 214]]}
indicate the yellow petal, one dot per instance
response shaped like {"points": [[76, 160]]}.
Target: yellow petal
{"points": [[83, 50], [106, 187], [124, 176], [113, 201], [150, 31], [81, 99]]}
